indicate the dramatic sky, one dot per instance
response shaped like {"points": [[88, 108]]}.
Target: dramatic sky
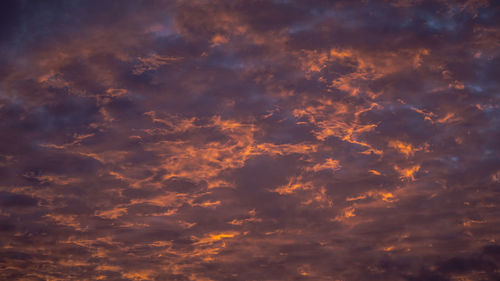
{"points": [[250, 140]]}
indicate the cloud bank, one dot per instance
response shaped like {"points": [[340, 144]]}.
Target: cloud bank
{"points": [[250, 140]]}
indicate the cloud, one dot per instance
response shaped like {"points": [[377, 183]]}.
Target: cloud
{"points": [[249, 140]]}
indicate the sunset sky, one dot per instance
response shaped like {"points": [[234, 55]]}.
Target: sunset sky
{"points": [[250, 140]]}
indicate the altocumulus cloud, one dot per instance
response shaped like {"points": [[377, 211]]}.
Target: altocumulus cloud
{"points": [[250, 140]]}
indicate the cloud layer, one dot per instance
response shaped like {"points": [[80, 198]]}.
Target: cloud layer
{"points": [[250, 140]]}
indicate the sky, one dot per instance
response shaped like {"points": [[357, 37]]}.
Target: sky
{"points": [[250, 140]]}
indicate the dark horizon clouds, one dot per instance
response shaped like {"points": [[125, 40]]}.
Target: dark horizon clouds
{"points": [[250, 140]]}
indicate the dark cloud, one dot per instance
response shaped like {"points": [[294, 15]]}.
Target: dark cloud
{"points": [[249, 140]]}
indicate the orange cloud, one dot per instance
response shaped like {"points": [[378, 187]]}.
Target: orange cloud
{"points": [[408, 173]]}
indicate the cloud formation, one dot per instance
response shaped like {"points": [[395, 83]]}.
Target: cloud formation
{"points": [[250, 140]]}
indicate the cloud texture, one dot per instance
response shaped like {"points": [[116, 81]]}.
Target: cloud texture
{"points": [[250, 140]]}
